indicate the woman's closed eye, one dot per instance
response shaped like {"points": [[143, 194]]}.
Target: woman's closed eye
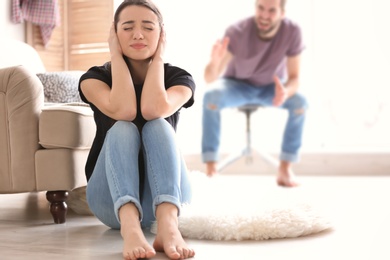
{"points": [[131, 28]]}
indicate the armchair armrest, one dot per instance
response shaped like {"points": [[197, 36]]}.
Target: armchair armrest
{"points": [[21, 101]]}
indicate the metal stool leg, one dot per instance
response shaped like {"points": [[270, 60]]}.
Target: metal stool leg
{"points": [[247, 150]]}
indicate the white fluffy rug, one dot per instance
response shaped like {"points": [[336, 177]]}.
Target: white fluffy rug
{"points": [[240, 208], [247, 208]]}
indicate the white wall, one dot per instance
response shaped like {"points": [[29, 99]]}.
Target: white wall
{"points": [[7, 28]]}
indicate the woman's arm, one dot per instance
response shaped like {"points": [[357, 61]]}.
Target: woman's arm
{"points": [[156, 101], [118, 102]]}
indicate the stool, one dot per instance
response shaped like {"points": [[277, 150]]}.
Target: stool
{"points": [[248, 149]]}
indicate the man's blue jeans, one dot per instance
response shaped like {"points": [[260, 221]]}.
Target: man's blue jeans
{"points": [[229, 93], [116, 179]]}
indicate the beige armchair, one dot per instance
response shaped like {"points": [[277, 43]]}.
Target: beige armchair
{"points": [[43, 147]]}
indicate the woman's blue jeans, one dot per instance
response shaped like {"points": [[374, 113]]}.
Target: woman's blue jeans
{"points": [[116, 178], [229, 93]]}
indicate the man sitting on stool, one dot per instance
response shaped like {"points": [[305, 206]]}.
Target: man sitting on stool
{"points": [[260, 59]]}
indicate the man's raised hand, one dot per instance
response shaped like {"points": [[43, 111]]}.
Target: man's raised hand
{"points": [[219, 49], [280, 93]]}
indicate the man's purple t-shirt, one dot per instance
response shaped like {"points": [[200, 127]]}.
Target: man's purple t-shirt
{"points": [[256, 61]]}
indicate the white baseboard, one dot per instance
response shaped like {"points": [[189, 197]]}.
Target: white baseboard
{"points": [[311, 164]]}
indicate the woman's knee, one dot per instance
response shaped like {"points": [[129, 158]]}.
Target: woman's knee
{"points": [[156, 126], [123, 130], [123, 127], [156, 123]]}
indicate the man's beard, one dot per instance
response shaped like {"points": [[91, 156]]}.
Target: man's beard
{"points": [[263, 33]]}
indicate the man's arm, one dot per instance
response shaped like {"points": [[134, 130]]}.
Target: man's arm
{"points": [[283, 92], [293, 70], [220, 57]]}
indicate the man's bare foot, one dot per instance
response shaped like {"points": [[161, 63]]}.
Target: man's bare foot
{"points": [[135, 245], [168, 237], [286, 177], [211, 168]]}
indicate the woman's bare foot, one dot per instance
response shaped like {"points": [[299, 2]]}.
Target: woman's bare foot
{"points": [[135, 245], [286, 177], [211, 168], [168, 237]]}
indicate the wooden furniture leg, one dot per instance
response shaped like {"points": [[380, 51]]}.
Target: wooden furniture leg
{"points": [[58, 207]]}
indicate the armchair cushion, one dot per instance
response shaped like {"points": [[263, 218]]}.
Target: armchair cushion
{"points": [[69, 125]]}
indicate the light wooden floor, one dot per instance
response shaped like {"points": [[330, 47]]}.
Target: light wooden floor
{"points": [[358, 207]]}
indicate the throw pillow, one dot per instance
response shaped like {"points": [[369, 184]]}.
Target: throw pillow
{"points": [[61, 86]]}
